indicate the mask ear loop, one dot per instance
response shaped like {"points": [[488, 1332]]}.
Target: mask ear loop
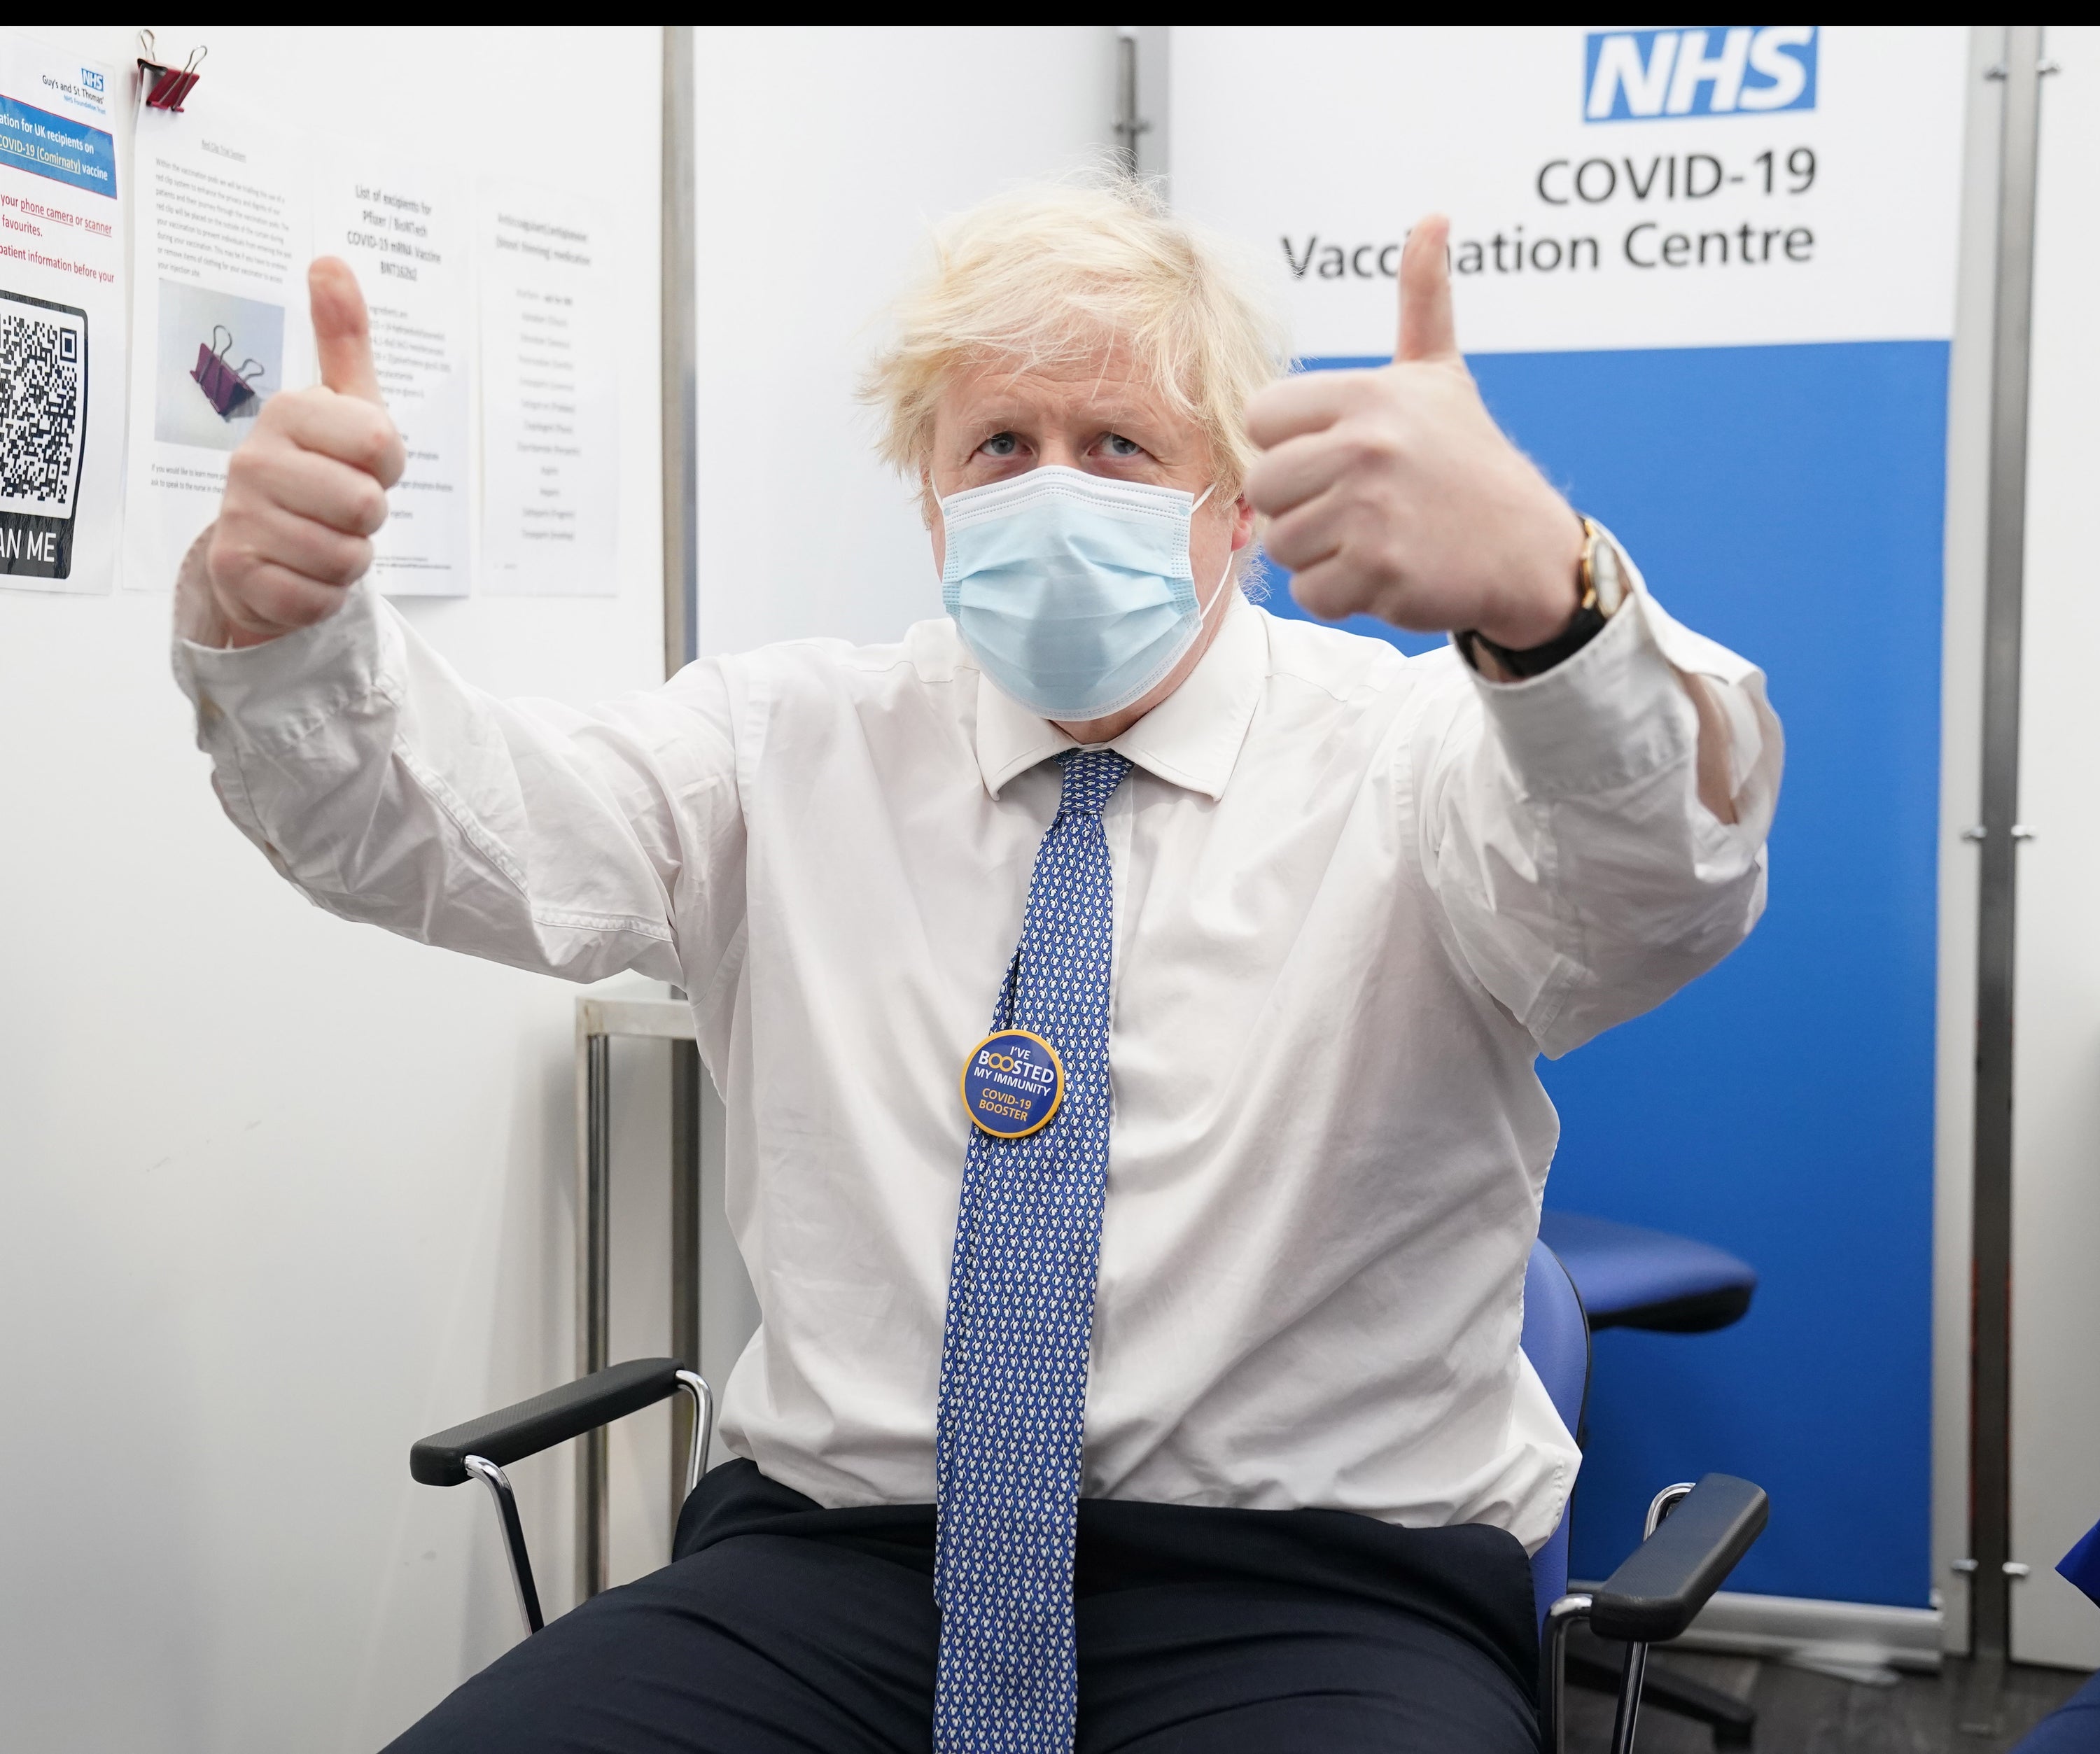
{"points": [[1217, 591]]}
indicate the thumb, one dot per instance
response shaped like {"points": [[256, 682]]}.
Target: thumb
{"points": [[342, 333], [1426, 329]]}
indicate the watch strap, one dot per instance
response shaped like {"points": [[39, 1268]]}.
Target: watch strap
{"points": [[1603, 581]]}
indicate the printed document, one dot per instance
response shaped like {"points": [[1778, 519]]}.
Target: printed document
{"points": [[404, 230], [62, 340], [549, 401], [218, 318]]}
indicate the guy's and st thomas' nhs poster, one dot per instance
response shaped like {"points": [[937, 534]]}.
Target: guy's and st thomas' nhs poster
{"points": [[1705, 274]]}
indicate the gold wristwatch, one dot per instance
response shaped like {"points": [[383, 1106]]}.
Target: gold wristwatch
{"points": [[1602, 578]]}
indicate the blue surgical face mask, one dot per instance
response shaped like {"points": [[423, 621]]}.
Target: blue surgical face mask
{"points": [[1073, 591]]}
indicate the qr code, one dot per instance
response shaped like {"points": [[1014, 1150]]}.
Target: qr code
{"points": [[43, 382]]}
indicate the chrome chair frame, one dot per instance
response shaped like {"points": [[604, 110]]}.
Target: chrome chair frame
{"points": [[1695, 1532], [479, 1449]]}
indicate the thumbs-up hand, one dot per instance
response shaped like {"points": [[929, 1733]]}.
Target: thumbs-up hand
{"points": [[307, 488], [1394, 491]]}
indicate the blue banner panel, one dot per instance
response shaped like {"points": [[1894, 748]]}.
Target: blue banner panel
{"points": [[58, 147], [1787, 501]]}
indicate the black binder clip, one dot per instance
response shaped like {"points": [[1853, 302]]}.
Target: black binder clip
{"points": [[164, 87]]}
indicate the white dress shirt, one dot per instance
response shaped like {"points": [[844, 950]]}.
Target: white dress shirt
{"points": [[1356, 895]]}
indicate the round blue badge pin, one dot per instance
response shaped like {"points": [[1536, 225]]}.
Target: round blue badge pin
{"points": [[1013, 1082]]}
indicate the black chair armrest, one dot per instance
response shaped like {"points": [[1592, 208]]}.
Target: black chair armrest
{"points": [[544, 1421], [1669, 1578]]}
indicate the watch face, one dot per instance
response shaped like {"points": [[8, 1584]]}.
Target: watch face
{"points": [[1607, 577]]}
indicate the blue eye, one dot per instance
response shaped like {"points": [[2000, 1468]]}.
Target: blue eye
{"points": [[1000, 444], [1118, 446]]}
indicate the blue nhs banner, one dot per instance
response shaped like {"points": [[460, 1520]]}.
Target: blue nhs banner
{"points": [[1720, 70]]}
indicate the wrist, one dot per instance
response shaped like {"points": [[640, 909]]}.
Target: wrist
{"points": [[1538, 609], [1601, 590]]}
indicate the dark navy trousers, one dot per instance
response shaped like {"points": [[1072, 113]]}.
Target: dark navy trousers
{"points": [[781, 1627]]}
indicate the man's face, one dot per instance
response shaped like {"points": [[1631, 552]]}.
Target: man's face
{"points": [[1097, 415]]}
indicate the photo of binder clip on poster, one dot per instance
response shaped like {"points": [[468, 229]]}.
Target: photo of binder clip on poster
{"points": [[229, 389], [217, 359]]}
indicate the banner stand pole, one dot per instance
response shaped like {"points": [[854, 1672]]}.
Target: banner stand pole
{"points": [[1990, 1565]]}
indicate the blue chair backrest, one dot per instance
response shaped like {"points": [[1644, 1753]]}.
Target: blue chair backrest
{"points": [[1556, 1340]]}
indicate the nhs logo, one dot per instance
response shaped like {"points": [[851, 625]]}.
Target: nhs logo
{"points": [[1719, 70]]}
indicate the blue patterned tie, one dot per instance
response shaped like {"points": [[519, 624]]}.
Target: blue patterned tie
{"points": [[1021, 1312]]}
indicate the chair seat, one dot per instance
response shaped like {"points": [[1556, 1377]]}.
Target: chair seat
{"points": [[1632, 1277]]}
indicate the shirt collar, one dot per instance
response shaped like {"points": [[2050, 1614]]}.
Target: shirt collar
{"points": [[1192, 738]]}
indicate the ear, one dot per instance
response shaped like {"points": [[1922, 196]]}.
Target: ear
{"points": [[1243, 521]]}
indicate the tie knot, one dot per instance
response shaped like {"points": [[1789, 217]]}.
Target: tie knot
{"points": [[1090, 778]]}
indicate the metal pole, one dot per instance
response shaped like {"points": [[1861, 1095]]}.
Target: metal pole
{"points": [[1990, 1427], [1129, 123], [680, 349], [685, 1075], [681, 646], [594, 1305]]}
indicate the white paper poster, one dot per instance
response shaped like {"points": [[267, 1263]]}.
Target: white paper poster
{"points": [[549, 410], [1735, 185], [62, 339], [219, 321], [404, 230]]}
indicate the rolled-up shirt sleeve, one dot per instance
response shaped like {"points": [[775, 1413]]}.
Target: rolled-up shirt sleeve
{"points": [[1584, 880], [576, 843]]}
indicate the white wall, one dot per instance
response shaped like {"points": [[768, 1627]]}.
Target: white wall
{"points": [[2056, 1102], [280, 1194], [822, 156]]}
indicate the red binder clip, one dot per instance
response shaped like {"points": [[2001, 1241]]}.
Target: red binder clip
{"points": [[165, 87], [228, 389]]}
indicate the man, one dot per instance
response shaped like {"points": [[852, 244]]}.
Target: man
{"points": [[1159, 1388]]}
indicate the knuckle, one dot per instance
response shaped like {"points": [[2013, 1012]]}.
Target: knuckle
{"points": [[367, 510], [231, 557], [1356, 449], [258, 596], [378, 438], [284, 601], [219, 560], [255, 472], [1288, 544], [245, 468], [352, 561], [1373, 440]]}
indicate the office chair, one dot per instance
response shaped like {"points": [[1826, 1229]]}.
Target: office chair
{"points": [[1630, 1276], [1696, 1533]]}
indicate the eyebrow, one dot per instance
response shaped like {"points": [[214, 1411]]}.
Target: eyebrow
{"points": [[1116, 417]]}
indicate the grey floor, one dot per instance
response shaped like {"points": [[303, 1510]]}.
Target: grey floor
{"points": [[1803, 1713]]}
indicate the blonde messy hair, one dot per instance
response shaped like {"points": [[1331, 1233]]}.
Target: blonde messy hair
{"points": [[1047, 275]]}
